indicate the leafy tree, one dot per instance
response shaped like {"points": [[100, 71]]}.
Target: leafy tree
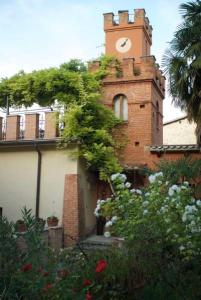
{"points": [[182, 62]]}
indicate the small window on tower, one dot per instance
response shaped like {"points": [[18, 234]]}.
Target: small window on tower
{"points": [[121, 107]]}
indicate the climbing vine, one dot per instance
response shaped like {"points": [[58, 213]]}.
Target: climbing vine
{"points": [[87, 121]]}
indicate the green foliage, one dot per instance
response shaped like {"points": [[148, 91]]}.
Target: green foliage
{"points": [[46, 86], [183, 169], [106, 62], [87, 121], [42, 273], [91, 125], [182, 62]]}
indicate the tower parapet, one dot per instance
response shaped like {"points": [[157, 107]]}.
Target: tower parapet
{"points": [[114, 22]]}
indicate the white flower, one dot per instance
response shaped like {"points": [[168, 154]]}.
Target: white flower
{"points": [[145, 212], [98, 206], [145, 203], [107, 234], [152, 178], [115, 176], [159, 174], [164, 209], [138, 192], [198, 202], [99, 201], [147, 194], [160, 182], [192, 223], [96, 212], [123, 177], [190, 209], [132, 191], [186, 183], [167, 182], [193, 200], [102, 201], [184, 217], [183, 187], [114, 219], [181, 248], [170, 192], [127, 184], [174, 187], [108, 224]]}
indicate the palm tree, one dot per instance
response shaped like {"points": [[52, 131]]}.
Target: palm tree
{"points": [[182, 62]]}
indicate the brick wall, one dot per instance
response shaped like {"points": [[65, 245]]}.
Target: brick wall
{"points": [[32, 126], [12, 127], [73, 216]]}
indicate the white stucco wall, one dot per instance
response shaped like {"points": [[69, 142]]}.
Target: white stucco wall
{"points": [[17, 182], [180, 132], [18, 175], [55, 165]]}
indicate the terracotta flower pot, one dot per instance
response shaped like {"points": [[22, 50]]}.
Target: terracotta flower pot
{"points": [[41, 222], [21, 227], [52, 222]]}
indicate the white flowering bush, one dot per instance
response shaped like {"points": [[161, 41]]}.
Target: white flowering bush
{"points": [[161, 211], [161, 225]]}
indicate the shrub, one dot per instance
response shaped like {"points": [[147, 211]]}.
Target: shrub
{"points": [[161, 223]]}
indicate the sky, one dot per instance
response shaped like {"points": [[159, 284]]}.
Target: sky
{"points": [[37, 34]]}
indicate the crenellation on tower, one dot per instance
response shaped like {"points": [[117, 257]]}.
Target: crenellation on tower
{"points": [[108, 20], [94, 66], [123, 17], [145, 69]]}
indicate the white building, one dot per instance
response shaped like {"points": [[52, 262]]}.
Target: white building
{"points": [[179, 132]]}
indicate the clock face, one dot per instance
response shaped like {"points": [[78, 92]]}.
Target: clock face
{"points": [[123, 44]]}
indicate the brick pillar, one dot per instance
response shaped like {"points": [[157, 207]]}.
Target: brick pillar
{"points": [[73, 215], [108, 20], [123, 16], [12, 127], [128, 66], [31, 126], [1, 128], [51, 129]]}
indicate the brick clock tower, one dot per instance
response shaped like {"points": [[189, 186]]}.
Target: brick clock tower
{"points": [[136, 96]]}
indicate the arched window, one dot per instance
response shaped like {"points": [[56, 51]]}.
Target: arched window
{"points": [[121, 107], [157, 115]]}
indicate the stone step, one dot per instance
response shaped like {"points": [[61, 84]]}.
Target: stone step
{"points": [[100, 242]]}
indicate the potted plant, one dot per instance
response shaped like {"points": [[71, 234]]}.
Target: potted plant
{"points": [[21, 226], [52, 221], [40, 222]]}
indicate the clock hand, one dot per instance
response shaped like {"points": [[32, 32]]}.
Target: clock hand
{"points": [[124, 43]]}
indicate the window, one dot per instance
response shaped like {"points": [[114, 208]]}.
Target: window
{"points": [[121, 107]]}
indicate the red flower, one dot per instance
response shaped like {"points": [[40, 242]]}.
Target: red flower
{"points": [[88, 296], [101, 265], [45, 273], [26, 268], [47, 287], [87, 282]]}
